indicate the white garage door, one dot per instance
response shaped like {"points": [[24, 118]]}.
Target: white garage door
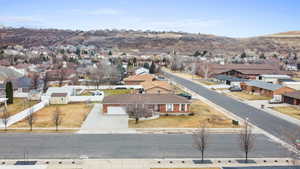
{"points": [[114, 110]]}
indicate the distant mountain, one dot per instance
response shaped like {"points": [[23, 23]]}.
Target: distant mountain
{"points": [[154, 42]]}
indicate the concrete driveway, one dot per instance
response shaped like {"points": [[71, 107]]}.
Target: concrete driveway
{"points": [[97, 122]]}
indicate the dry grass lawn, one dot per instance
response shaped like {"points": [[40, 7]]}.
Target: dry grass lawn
{"points": [[289, 110], [18, 106], [203, 114], [72, 116], [36, 131], [108, 92], [183, 74], [247, 96]]}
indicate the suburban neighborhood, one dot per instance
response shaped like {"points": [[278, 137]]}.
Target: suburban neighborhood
{"points": [[149, 85]]}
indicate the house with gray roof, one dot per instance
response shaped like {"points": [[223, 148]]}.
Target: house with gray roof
{"points": [[265, 89]]}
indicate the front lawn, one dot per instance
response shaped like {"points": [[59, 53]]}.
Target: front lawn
{"points": [[207, 82], [72, 116], [247, 96], [108, 92], [18, 106], [288, 110], [202, 113]]}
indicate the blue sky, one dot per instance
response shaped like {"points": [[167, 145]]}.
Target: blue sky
{"points": [[234, 18]]}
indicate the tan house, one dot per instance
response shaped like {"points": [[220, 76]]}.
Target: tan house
{"points": [[138, 79], [162, 103], [157, 87], [59, 98]]}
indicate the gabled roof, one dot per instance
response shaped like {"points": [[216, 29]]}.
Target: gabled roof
{"points": [[230, 78], [264, 85], [145, 99], [142, 77], [295, 94], [161, 84]]}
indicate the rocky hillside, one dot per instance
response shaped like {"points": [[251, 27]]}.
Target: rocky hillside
{"points": [[153, 42]]}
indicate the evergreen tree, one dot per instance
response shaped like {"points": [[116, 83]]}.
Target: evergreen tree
{"points": [[152, 68], [9, 92], [197, 53], [243, 55], [109, 53]]}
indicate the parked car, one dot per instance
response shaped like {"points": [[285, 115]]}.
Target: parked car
{"points": [[235, 89], [185, 95]]}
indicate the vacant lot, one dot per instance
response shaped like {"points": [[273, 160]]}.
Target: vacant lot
{"points": [[203, 114], [247, 96], [288, 110], [207, 82], [18, 106], [183, 74], [72, 116]]}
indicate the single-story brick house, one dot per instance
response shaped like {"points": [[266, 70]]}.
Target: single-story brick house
{"points": [[157, 87], [265, 89], [59, 98], [138, 79], [162, 103], [292, 98]]}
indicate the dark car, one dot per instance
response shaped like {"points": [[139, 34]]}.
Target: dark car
{"points": [[185, 95]]}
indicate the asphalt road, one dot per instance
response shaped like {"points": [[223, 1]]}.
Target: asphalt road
{"points": [[273, 125], [40, 146]]}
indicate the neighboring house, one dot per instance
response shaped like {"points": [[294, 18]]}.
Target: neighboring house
{"points": [[275, 79], [245, 71], [22, 84], [230, 80], [162, 103], [265, 89], [291, 84], [8, 73], [138, 79], [292, 98], [141, 71], [157, 87], [59, 98]]}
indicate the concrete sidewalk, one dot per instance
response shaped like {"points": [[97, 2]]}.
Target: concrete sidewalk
{"points": [[145, 163]]}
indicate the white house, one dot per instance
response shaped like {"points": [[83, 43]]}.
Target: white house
{"points": [[272, 78]]}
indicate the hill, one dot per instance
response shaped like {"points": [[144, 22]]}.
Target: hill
{"points": [[150, 42]]}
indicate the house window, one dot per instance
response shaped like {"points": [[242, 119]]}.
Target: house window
{"points": [[169, 107], [182, 107]]}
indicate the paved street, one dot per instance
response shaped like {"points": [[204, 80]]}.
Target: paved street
{"points": [[128, 146], [273, 125]]}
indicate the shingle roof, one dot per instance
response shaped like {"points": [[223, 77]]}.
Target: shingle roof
{"points": [[162, 84], [230, 78], [295, 94], [59, 94], [142, 77], [264, 85], [144, 99]]}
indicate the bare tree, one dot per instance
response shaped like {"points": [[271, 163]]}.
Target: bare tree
{"points": [[61, 76], [30, 118], [97, 75], [201, 139], [5, 117], [137, 111], [57, 118], [45, 80], [246, 139], [35, 81], [205, 69]]}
